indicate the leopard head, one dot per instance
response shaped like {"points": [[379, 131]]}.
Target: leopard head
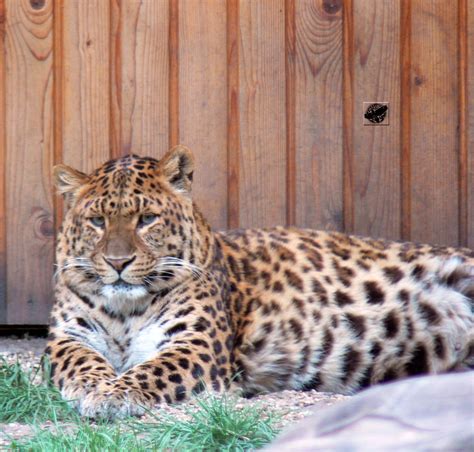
{"points": [[130, 228]]}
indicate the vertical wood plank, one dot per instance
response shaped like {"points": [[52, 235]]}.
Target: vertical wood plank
{"points": [[233, 123], [319, 110], [3, 168], [405, 118], [58, 110], [348, 116], [29, 141], [377, 197], [173, 85], [85, 84], [462, 128], [470, 123], [290, 93], [434, 117], [262, 113], [203, 101], [140, 70]]}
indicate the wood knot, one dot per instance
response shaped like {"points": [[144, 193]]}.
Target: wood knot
{"points": [[42, 222], [37, 4], [46, 228], [332, 6], [419, 80]]}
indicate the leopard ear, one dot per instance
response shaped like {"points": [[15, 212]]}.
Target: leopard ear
{"points": [[177, 167], [68, 180]]}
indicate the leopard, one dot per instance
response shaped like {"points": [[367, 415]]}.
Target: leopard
{"points": [[152, 306]]}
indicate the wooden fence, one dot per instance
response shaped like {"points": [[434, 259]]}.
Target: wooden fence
{"points": [[270, 96]]}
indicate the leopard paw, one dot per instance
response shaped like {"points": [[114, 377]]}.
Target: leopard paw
{"points": [[112, 403]]}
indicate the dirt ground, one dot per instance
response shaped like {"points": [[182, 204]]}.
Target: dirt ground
{"points": [[291, 405]]}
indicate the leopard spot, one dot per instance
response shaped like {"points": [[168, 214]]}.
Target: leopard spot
{"points": [[277, 286], [391, 324], [389, 375], [404, 296], [175, 378], [429, 314], [294, 280], [440, 348], [180, 393], [418, 272], [352, 358], [356, 324], [375, 294], [342, 298], [418, 363], [393, 274]]}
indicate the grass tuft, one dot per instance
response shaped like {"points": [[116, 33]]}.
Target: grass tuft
{"points": [[216, 424], [82, 437], [24, 400]]}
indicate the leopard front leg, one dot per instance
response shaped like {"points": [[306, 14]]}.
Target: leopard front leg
{"points": [[79, 372], [186, 367]]}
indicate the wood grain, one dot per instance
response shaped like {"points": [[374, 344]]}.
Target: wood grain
{"points": [[58, 100], [173, 77], [405, 118], [233, 115], [262, 113], [290, 93], [203, 101], [462, 128], [319, 115], [434, 121], [140, 86], [470, 123], [348, 116], [85, 86], [3, 169], [377, 199], [29, 141]]}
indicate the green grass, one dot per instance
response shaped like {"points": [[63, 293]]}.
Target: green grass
{"points": [[82, 437], [214, 423], [22, 400]]}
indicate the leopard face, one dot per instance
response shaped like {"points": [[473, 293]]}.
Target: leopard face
{"points": [[127, 231]]}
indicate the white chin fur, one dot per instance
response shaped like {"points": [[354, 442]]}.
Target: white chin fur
{"points": [[130, 293], [123, 299]]}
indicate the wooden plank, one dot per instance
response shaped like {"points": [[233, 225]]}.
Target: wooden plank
{"points": [[140, 69], [290, 93], [58, 100], [173, 42], [262, 113], [233, 123], [405, 118], [29, 141], [203, 101], [348, 116], [377, 198], [434, 115], [470, 124], [3, 169], [319, 110], [463, 118], [85, 84]]}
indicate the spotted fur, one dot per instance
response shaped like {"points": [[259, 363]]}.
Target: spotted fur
{"points": [[152, 306]]}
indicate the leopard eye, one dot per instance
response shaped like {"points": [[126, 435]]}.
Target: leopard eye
{"points": [[97, 221], [147, 218]]}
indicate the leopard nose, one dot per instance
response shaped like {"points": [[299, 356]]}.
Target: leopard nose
{"points": [[119, 263]]}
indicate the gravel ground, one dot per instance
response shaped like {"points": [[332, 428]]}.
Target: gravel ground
{"points": [[290, 405]]}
